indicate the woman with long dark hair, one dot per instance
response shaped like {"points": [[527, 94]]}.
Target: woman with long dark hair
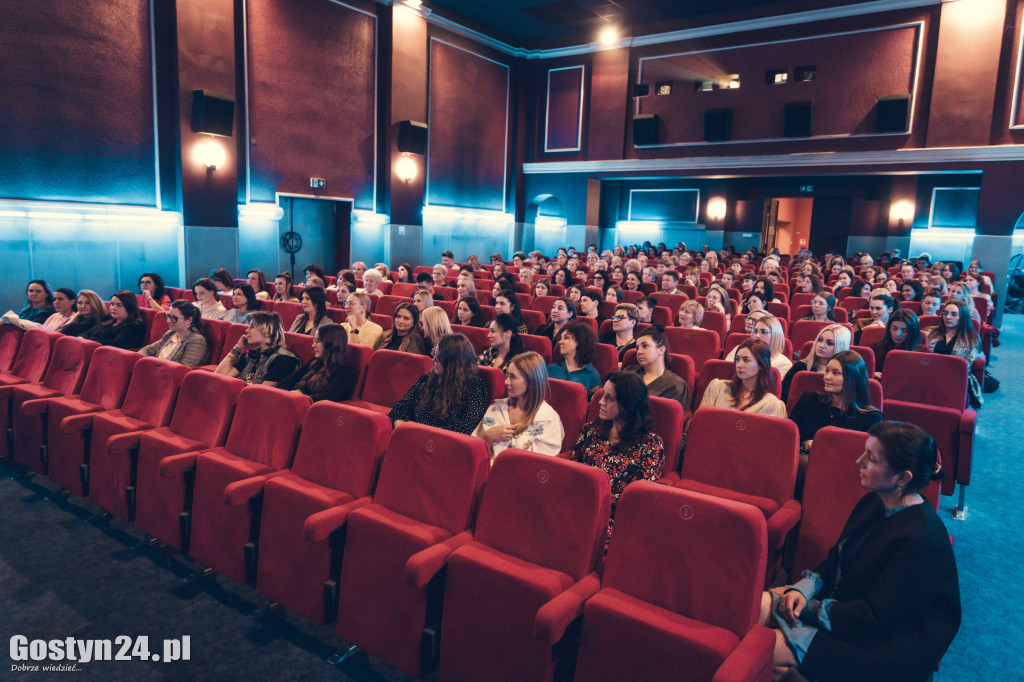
{"points": [[205, 293], [749, 389], [285, 288], [314, 312], [845, 402], [404, 334], [822, 306], [258, 281], [505, 343], [577, 346], [451, 396], [152, 294], [902, 332], [121, 327], [562, 312], [956, 335], [222, 278], [524, 419], [328, 376], [885, 602], [620, 442], [185, 341], [243, 304]]}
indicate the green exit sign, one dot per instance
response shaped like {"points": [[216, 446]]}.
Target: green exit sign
{"points": [[807, 189]]}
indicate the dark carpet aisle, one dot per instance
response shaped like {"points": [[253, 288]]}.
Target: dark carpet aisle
{"points": [[63, 575]]}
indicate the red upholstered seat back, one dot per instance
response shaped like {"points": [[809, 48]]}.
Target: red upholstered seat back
{"points": [[545, 510], [494, 379], [288, 312], [387, 304], [110, 371], [478, 336], [543, 304], [301, 345], [664, 542], [807, 330], [10, 341], [433, 476], [671, 301], [205, 404], [68, 364], [569, 400], [34, 354], [926, 378], [943, 425], [831, 491], [713, 321], [682, 365], [341, 447], [538, 344], [153, 390], [391, 374], [700, 344], [869, 336], [157, 326], [815, 381], [265, 427], [748, 453], [216, 331], [606, 360], [359, 359]]}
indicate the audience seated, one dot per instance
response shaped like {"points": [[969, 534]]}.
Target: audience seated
{"points": [[467, 312], [830, 340], [451, 396], [121, 327], [153, 294], [243, 305], [524, 419], [434, 323], [361, 330], [90, 311], [505, 343], [690, 315], [956, 336], [266, 361], [314, 312], [328, 376], [562, 312], [404, 334], [185, 341], [622, 333], [891, 571], [661, 382], [901, 333], [205, 293], [63, 304], [767, 328], [749, 389], [38, 306], [577, 347], [285, 288]]}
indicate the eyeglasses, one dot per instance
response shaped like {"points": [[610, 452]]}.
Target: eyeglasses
{"points": [[760, 332], [620, 318], [174, 319]]}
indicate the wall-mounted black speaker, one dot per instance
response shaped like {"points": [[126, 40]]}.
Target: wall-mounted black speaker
{"points": [[641, 89], [717, 125], [412, 137], [891, 114], [797, 122], [213, 112], [645, 130]]}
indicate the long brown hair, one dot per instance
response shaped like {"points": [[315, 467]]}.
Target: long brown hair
{"points": [[334, 339], [444, 392], [531, 365], [763, 356]]}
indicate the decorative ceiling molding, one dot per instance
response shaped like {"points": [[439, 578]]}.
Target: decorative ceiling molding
{"points": [[809, 16], [802, 161]]}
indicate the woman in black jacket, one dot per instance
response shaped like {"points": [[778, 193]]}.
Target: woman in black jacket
{"points": [[328, 376], [885, 603], [122, 327]]}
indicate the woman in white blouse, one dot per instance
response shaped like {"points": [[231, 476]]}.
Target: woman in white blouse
{"points": [[524, 419], [207, 301]]}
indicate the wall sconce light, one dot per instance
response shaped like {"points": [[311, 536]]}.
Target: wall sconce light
{"points": [[406, 169], [608, 36], [716, 208], [210, 154], [902, 212]]}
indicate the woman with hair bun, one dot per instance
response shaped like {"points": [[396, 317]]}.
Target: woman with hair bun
{"points": [[885, 602], [185, 341], [524, 419]]}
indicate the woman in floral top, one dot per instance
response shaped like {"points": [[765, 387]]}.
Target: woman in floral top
{"points": [[524, 420], [620, 442]]}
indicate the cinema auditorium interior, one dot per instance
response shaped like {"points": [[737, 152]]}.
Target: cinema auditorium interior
{"points": [[524, 340]]}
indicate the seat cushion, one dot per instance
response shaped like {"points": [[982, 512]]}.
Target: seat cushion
{"points": [[160, 500], [625, 638]]}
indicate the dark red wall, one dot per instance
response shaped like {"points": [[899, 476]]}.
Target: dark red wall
{"points": [[311, 99], [469, 126], [76, 102]]}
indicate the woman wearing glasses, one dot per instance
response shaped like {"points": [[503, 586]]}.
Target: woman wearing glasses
{"points": [[624, 322], [822, 306], [185, 341], [361, 331]]}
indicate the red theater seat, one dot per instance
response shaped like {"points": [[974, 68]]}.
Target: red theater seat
{"points": [[723, 369], [390, 375], [569, 400], [64, 376], [10, 341], [926, 378], [511, 594], [167, 456], [105, 456], [700, 344], [334, 472], [815, 382], [110, 371], [682, 365], [747, 458], [808, 330], [229, 480], [478, 336], [668, 421], [662, 613], [395, 548], [714, 321]]}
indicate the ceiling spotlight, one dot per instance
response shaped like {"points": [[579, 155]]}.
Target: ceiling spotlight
{"points": [[608, 36]]}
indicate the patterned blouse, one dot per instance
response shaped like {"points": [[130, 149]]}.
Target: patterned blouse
{"points": [[465, 419], [643, 460]]}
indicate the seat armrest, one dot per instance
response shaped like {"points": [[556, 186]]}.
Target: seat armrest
{"points": [[671, 478], [781, 522], [564, 455], [238, 493], [76, 422], [422, 566], [176, 465], [320, 525], [554, 617], [965, 453], [32, 408], [122, 443], [752, 659]]}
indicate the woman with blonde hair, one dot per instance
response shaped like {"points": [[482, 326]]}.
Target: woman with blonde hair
{"points": [[835, 338], [90, 310], [769, 329], [435, 324], [524, 419], [465, 286], [266, 361], [690, 315]]}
